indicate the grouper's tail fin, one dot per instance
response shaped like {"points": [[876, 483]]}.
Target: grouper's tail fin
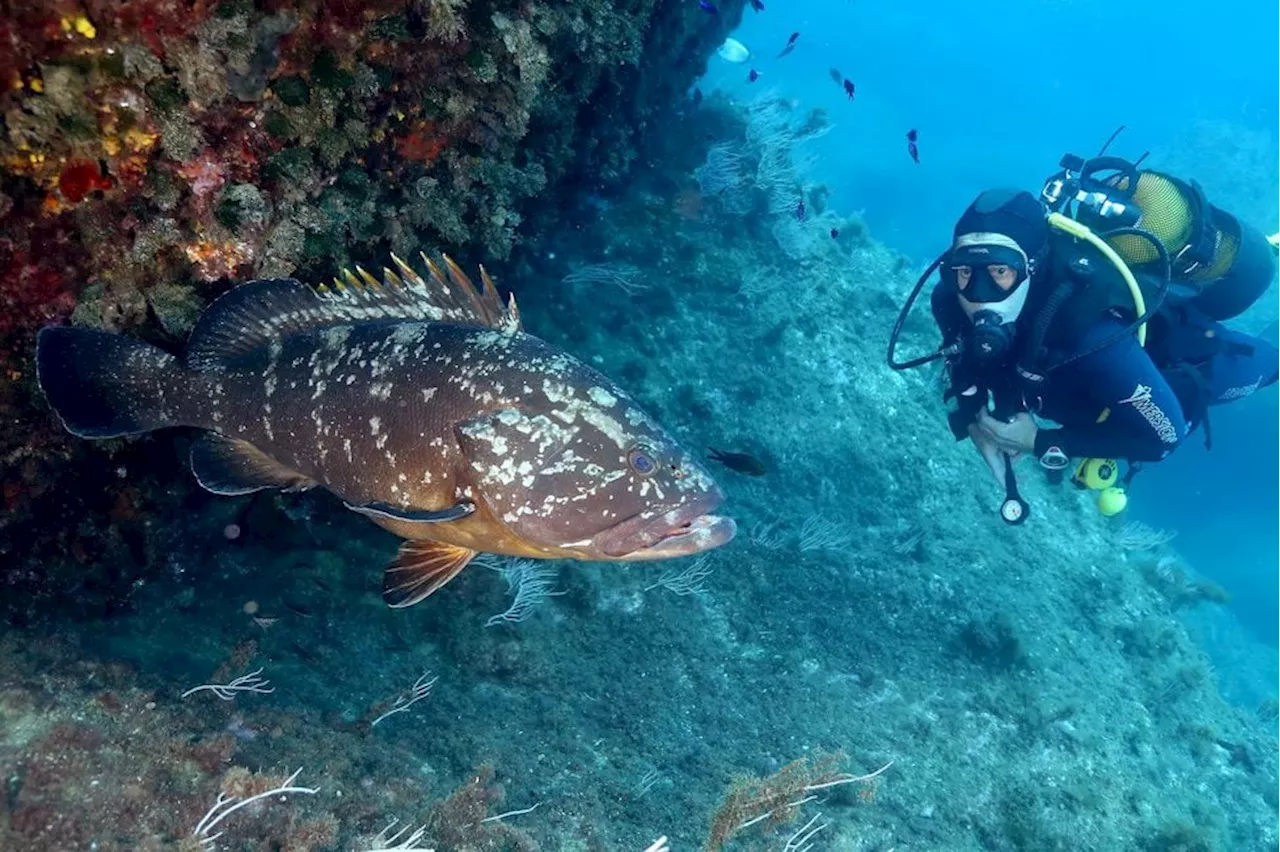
{"points": [[105, 385]]}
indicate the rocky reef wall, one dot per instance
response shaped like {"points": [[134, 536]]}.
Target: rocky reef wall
{"points": [[153, 152]]}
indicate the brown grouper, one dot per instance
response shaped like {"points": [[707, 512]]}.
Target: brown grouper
{"points": [[418, 401]]}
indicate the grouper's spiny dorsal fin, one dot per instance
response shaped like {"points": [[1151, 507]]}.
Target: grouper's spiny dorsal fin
{"points": [[446, 295], [259, 313]]}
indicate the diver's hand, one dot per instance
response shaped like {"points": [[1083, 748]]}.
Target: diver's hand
{"points": [[990, 450], [1013, 437]]}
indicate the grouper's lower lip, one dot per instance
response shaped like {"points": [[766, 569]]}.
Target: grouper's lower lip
{"points": [[705, 532], [669, 532]]}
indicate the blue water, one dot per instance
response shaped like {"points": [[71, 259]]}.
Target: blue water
{"points": [[998, 92]]}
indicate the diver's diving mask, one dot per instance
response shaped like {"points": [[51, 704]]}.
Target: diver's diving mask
{"points": [[990, 274]]}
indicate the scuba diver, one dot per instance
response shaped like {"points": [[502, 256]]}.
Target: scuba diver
{"points": [[1107, 322]]}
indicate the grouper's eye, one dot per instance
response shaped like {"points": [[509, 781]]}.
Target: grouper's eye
{"points": [[640, 462]]}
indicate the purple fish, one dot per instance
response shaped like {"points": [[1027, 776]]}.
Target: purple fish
{"points": [[800, 210], [753, 76]]}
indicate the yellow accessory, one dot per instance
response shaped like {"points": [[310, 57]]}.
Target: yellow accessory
{"points": [[1097, 474], [1111, 501], [1075, 229]]}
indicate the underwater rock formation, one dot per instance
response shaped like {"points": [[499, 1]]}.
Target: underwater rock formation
{"points": [[154, 151]]}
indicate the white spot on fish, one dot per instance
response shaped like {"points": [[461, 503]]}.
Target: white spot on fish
{"points": [[427, 393], [336, 337], [375, 423], [602, 397], [380, 390]]}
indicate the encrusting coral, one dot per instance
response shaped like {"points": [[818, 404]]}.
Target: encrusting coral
{"points": [[152, 152]]}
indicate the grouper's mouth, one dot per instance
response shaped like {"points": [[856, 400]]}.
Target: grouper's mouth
{"points": [[684, 530]]}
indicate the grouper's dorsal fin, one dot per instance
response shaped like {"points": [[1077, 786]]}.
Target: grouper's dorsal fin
{"points": [[444, 295], [248, 317], [258, 313]]}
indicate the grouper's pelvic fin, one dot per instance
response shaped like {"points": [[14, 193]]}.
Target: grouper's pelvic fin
{"points": [[231, 467], [259, 313], [104, 385], [420, 569]]}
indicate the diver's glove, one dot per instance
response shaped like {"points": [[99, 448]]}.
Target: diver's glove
{"points": [[969, 402]]}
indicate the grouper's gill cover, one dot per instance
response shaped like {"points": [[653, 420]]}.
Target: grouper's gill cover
{"points": [[418, 401], [580, 466]]}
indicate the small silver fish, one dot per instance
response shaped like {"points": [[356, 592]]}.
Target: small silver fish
{"points": [[733, 51]]}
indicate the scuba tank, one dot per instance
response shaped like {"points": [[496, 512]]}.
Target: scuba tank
{"points": [[1216, 264]]}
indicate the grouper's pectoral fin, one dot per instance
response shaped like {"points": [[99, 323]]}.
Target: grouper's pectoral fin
{"points": [[386, 511], [226, 466], [420, 568]]}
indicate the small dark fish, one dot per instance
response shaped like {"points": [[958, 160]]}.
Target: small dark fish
{"points": [[791, 45], [708, 7], [836, 75], [912, 148], [740, 462], [913, 135], [299, 609], [753, 76], [835, 232], [304, 652], [848, 88], [757, 5], [800, 210]]}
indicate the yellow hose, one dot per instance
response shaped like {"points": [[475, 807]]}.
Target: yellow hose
{"points": [[1075, 229]]}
